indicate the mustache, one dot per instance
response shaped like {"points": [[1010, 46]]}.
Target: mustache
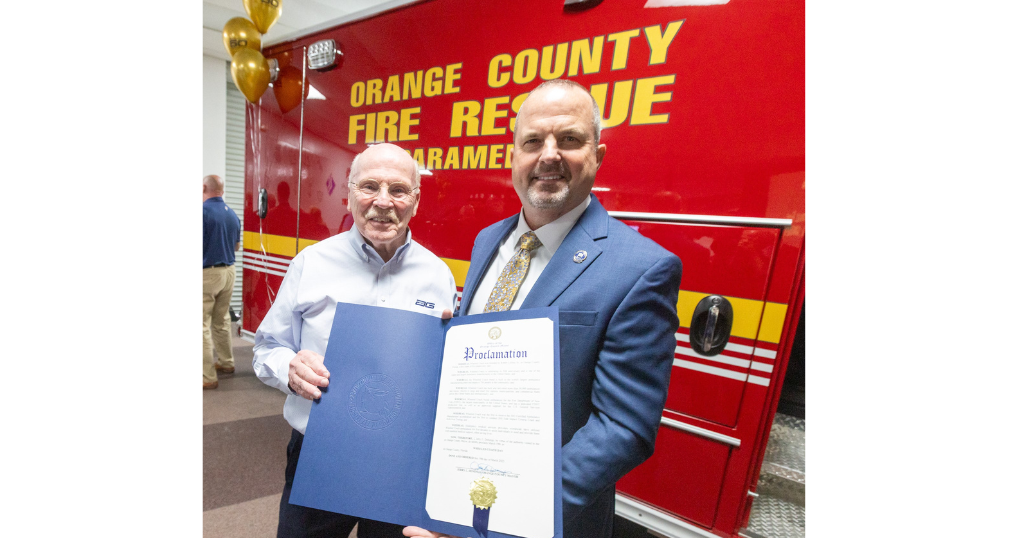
{"points": [[557, 168], [378, 213]]}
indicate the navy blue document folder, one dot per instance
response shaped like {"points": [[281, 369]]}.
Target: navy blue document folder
{"points": [[375, 465]]}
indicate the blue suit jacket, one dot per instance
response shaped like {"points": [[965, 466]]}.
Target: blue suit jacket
{"points": [[617, 323]]}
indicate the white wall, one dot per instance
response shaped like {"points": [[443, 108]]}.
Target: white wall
{"points": [[215, 73]]}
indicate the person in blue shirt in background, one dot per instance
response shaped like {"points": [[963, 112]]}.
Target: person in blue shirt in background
{"points": [[221, 233]]}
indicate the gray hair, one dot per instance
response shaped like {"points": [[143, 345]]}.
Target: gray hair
{"points": [[567, 84]]}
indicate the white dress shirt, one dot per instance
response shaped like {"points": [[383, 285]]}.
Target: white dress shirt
{"points": [[341, 269], [551, 236]]}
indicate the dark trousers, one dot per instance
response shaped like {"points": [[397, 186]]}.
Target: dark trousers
{"points": [[300, 522]]}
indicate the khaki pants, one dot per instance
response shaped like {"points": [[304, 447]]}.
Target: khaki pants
{"points": [[217, 285]]}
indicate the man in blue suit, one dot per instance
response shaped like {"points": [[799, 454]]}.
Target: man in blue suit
{"points": [[616, 292]]}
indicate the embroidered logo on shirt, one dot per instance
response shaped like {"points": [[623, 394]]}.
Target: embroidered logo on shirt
{"points": [[424, 304]]}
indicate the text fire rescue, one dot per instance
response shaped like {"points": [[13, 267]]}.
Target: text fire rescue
{"points": [[476, 118]]}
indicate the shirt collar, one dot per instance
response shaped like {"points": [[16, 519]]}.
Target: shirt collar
{"points": [[553, 233], [367, 252]]}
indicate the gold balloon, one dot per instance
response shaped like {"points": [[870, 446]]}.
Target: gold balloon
{"points": [[264, 13], [251, 73], [239, 34]]}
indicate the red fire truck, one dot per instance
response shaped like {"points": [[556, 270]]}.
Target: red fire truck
{"points": [[703, 106]]}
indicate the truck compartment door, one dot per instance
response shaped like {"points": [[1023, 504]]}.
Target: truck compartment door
{"points": [[725, 275]]}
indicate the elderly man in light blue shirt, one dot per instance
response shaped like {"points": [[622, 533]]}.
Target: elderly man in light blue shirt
{"points": [[375, 263]]}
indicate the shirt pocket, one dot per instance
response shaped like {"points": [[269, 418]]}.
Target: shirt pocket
{"points": [[578, 317]]}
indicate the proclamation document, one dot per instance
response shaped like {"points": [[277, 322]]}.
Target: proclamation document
{"points": [[450, 425], [491, 463]]}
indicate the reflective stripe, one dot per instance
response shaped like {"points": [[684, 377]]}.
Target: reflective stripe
{"points": [[281, 245], [261, 263], [269, 261], [739, 348], [260, 269], [742, 363], [763, 381], [752, 319], [710, 369], [730, 374], [684, 339]]}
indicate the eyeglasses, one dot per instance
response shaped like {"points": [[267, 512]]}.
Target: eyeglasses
{"points": [[399, 192]]}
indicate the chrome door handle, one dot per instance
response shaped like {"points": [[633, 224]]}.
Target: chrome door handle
{"points": [[711, 325], [261, 204], [709, 328]]}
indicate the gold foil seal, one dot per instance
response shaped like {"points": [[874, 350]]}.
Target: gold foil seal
{"points": [[483, 493]]}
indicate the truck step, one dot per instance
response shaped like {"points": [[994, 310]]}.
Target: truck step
{"points": [[772, 517], [778, 511], [783, 469]]}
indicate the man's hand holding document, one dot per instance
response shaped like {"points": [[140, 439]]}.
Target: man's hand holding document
{"points": [[451, 426]]}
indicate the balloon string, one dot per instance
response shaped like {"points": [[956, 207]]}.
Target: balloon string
{"points": [[255, 112]]}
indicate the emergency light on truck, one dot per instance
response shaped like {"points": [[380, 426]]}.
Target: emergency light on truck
{"points": [[322, 55]]}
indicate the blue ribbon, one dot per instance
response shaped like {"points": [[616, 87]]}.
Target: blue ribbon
{"points": [[480, 518]]}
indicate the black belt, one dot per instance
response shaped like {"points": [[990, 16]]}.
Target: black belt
{"points": [[217, 265]]}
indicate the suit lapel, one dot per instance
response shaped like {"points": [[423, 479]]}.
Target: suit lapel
{"points": [[488, 246], [562, 271]]}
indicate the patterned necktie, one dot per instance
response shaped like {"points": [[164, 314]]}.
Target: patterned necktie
{"points": [[505, 290]]}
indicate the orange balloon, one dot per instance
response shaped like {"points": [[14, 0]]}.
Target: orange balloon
{"points": [[288, 88], [239, 34], [251, 73], [264, 13]]}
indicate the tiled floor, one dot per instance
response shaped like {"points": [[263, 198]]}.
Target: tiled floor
{"points": [[244, 440], [250, 519]]}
